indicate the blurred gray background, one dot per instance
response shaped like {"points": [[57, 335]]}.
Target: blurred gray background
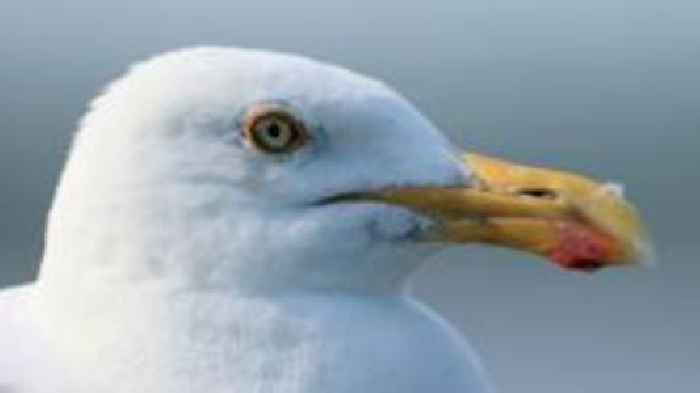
{"points": [[606, 87]]}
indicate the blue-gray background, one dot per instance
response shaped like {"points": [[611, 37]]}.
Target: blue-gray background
{"points": [[607, 87]]}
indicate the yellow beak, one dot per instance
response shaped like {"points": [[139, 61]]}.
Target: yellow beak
{"points": [[572, 220]]}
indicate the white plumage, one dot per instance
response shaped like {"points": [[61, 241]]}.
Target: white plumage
{"points": [[180, 260]]}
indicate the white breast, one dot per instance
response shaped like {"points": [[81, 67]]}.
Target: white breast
{"points": [[286, 344]]}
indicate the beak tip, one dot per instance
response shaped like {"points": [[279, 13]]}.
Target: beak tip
{"points": [[647, 257]]}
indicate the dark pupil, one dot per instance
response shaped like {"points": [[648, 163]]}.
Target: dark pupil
{"points": [[274, 130]]}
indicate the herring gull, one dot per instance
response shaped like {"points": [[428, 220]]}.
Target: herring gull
{"points": [[243, 221]]}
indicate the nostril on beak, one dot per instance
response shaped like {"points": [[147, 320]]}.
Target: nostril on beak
{"points": [[540, 193]]}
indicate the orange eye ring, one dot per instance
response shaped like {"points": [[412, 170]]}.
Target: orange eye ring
{"points": [[274, 129]]}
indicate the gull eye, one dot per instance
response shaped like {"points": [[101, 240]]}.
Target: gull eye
{"points": [[274, 130]]}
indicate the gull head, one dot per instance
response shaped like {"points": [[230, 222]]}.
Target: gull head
{"points": [[258, 171]]}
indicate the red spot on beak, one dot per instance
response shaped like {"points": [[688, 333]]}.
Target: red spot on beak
{"points": [[581, 248]]}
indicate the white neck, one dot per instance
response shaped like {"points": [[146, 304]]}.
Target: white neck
{"points": [[107, 231]]}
